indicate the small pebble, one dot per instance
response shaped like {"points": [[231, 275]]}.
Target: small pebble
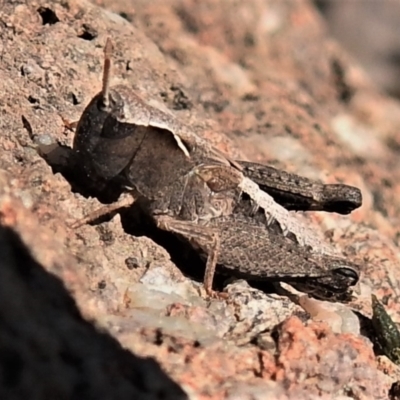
{"points": [[339, 317], [43, 140]]}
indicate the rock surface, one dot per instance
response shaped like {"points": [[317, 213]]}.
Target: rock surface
{"points": [[370, 32], [262, 81]]}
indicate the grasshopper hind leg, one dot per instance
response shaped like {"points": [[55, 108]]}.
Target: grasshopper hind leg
{"points": [[201, 236]]}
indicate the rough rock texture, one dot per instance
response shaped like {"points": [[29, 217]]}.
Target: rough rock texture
{"points": [[262, 81]]}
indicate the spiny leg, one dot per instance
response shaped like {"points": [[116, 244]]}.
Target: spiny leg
{"points": [[205, 237], [125, 200]]}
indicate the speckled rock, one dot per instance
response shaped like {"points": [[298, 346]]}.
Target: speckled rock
{"points": [[260, 80]]}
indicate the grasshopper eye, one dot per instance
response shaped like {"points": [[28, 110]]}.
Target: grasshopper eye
{"points": [[349, 273], [101, 105], [106, 106]]}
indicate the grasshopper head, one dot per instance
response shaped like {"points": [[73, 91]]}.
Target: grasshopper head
{"points": [[106, 139]]}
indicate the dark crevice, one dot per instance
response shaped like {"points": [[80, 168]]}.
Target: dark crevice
{"points": [[49, 17], [88, 32], [129, 17], [27, 125], [345, 92], [33, 100], [73, 98]]}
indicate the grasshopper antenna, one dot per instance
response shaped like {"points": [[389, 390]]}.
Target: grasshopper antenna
{"points": [[105, 91]]}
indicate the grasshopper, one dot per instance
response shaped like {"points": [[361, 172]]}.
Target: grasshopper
{"points": [[235, 213]]}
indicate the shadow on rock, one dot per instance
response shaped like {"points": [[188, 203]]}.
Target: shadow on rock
{"points": [[47, 350], [63, 160]]}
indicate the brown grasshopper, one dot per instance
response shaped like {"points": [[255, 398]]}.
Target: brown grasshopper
{"points": [[221, 206]]}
